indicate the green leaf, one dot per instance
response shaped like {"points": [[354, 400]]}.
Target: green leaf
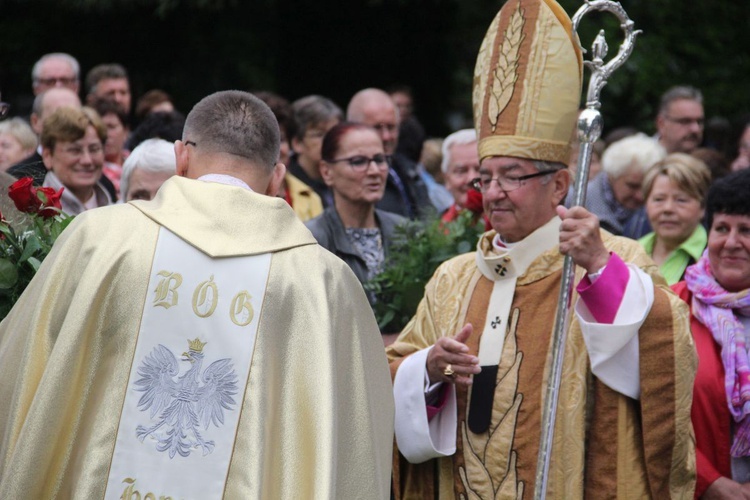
{"points": [[35, 263], [8, 274], [32, 245], [387, 318]]}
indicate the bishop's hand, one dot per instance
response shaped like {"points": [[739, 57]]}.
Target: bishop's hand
{"points": [[580, 238], [452, 354]]}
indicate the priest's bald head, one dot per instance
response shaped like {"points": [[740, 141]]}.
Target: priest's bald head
{"points": [[232, 133]]}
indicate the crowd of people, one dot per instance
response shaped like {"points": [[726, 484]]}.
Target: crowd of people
{"points": [[655, 394]]}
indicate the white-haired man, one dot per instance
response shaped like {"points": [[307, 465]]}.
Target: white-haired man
{"points": [[281, 389], [460, 167], [57, 69]]}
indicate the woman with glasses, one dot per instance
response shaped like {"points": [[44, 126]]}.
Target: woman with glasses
{"points": [[73, 152], [355, 167]]}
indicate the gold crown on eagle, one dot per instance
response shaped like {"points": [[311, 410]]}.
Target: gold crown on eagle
{"points": [[196, 345]]}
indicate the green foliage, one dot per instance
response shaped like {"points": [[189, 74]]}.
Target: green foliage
{"points": [[22, 252], [418, 249]]}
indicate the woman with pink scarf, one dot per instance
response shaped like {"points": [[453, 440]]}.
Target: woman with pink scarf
{"points": [[717, 287]]}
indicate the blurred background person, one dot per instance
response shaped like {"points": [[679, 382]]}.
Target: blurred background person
{"points": [[146, 169], [312, 117], [715, 160], [57, 69], [109, 81], [302, 198], [431, 171], [355, 167], [118, 128], [460, 167], [73, 153], [680, 120], [160, 125], [717, 288], [675, 191], [411, 134], [405, 192], [743, 151], [17, 141], [615, 195], [153, 101], [44, 105]]}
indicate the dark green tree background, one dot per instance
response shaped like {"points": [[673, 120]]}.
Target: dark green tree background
{"points": [[193, 47]]}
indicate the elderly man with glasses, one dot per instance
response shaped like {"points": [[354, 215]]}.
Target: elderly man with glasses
{"points": [[471, 368], [55, 70], [680, 120]]}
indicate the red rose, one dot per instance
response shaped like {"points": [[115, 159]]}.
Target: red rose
{"points": [[474, 201], [50, 199], [23, 194]]}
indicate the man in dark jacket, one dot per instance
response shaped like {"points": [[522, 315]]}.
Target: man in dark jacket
{"points": [[405, 192]]}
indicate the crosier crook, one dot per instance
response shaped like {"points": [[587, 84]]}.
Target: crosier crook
{"points": [[589, 129]]}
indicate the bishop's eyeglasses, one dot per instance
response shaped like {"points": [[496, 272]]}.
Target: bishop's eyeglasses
{"points": [[506, 183]]}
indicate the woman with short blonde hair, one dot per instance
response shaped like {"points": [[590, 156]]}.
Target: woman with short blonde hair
{"points": [[675, 192]]}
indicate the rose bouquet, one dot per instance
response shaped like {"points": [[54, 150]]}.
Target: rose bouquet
{"points": [[419, 247], [22, 249]]}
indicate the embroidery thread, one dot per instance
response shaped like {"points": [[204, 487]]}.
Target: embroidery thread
{"points": [[183, 405]]}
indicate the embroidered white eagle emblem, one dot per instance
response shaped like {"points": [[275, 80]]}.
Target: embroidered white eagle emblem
{"points": [[184, 404]]}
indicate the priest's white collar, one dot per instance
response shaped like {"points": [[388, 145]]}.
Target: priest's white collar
{"points": [[497, 262], [224, 179]]}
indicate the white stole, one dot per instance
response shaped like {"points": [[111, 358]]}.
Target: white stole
{"points": [[189, 373], [503, 268]]}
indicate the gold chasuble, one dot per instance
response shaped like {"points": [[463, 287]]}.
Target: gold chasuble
{"points": [[606, 445], [200, 345]]}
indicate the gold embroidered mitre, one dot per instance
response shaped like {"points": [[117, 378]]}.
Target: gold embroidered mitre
{"points": [[527, 83]]}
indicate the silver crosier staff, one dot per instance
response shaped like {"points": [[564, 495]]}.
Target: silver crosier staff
{"points": [[589, 130]]}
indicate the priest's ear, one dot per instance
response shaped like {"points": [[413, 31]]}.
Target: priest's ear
{"points": [[276, 180], [182, 158]]}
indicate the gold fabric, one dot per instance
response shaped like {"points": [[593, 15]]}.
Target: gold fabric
{"points": [[527, 83], [317, 417], [305, 201], [606, 445]]}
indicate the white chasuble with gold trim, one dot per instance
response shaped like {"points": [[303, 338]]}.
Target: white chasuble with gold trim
{"points": [[189, 373]]}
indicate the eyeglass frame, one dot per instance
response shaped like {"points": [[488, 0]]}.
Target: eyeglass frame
{"points": [[477, 181], [686, 121], [364, 167], [53, 81]]}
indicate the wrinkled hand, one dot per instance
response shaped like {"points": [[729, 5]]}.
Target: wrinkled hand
{"points": [[726, 489], [580, 238], [452, 351]]}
